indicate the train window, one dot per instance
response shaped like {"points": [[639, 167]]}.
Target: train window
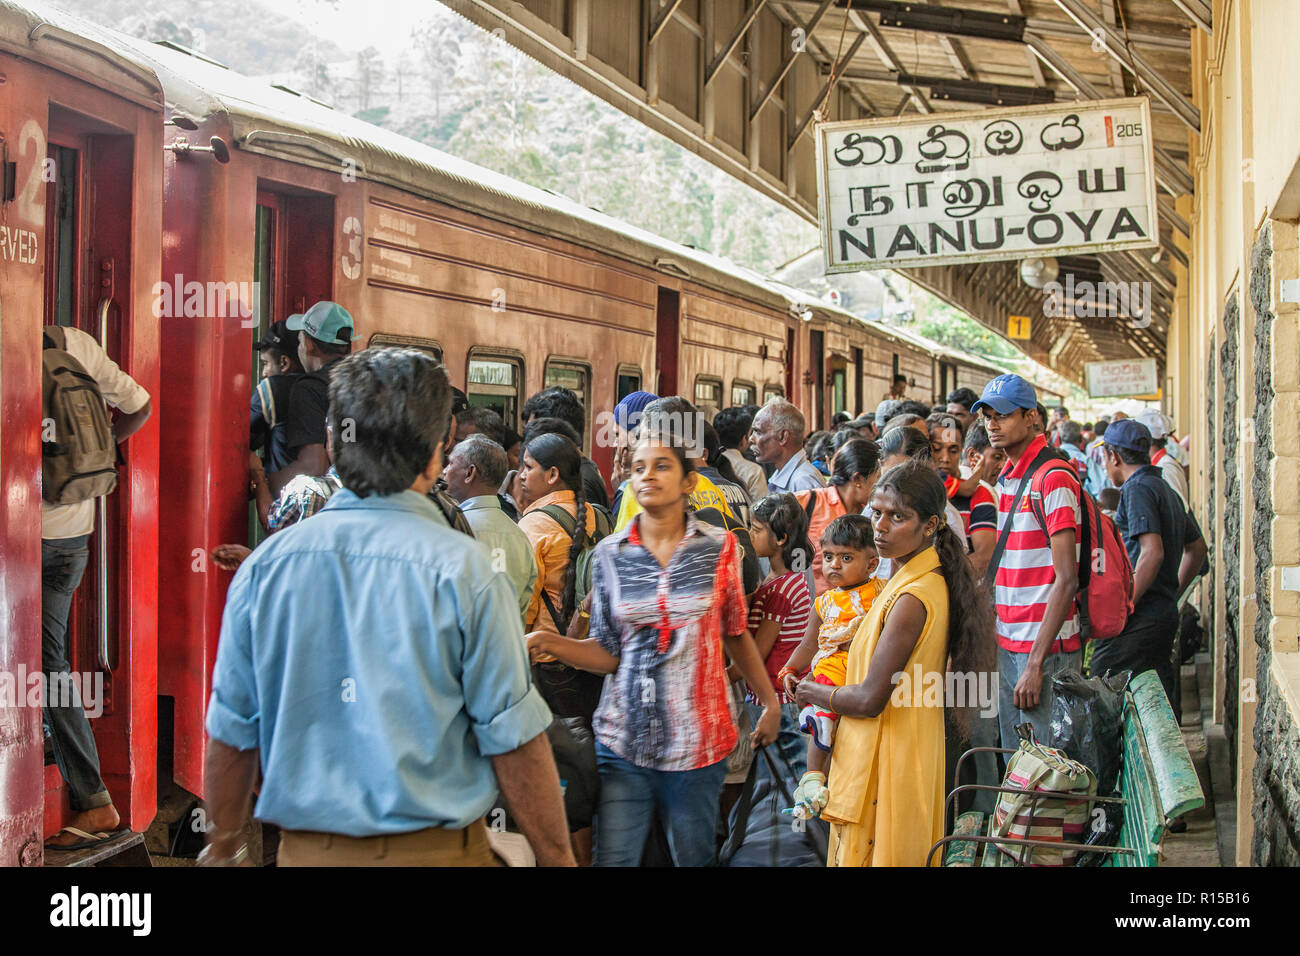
{"points": [[576, 377], [772, 391], [382, 340], [493, 381], [742, 393], [708, 395], [629, 381]]}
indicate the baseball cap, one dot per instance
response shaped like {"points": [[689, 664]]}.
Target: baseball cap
{"points": [[887, 410], [628, 411], [325, 322], [1006, 392], [1154, 421], [1128, 433], [280, 336]]}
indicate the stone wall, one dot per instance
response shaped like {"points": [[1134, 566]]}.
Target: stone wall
{"points": [[1229, 548], [1211, 473], [1276, 809]]}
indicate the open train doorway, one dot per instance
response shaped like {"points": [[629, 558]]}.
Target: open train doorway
{"points": [[667, 330], [99, 719]]}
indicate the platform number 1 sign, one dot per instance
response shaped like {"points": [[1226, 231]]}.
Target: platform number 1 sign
{"points": [[1018, 327]]}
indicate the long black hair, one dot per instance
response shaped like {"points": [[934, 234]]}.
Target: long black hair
{"points": [[551, 450], [970, 611], [857, 456], [787, 519]]}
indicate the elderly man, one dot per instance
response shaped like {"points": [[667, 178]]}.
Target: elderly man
{"points": [[373, 665], [777, 439], [474, 472]]}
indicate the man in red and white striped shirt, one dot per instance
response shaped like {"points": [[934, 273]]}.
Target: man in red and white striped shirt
{"points": [[1037, 576]]}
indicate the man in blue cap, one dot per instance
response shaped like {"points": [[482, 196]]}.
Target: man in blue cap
{"points": [[1164, 544], [326, 339], [1035, 570]]}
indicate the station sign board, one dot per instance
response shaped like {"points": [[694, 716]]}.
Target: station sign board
{"points": [[1122, 379], [1013, 183]]}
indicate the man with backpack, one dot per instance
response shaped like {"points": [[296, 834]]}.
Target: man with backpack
{"points": [[1035, 571], [80, 457], [1166, 550]]}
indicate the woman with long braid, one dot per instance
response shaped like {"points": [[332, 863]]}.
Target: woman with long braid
{"points": [[550, 473]]}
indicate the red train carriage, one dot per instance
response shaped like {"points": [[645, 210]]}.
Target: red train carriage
{"points": [[512, 287], [81, 147]]}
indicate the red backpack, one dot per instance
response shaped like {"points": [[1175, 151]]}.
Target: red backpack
{"points": [[1105, 598]]}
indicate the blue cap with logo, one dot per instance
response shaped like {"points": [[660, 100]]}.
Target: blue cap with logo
{"points": [[1128, 433], [325, 322], [1006, 392]]}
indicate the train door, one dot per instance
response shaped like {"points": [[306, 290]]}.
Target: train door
{"points": [[88, 283], [789, 363], [817, 361], [858, 407], [667, 325]]}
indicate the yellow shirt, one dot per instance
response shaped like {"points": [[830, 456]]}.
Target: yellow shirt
{"points": [[551, 549], [886, 774], [705, 495]]}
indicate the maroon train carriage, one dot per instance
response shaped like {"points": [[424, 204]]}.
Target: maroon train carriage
{"points": [[253, 202]]}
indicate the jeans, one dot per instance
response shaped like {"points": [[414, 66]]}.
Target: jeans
{"points": [[791, 742], [688, 802], [1010, 666], [63, 561], [1145, 644]]}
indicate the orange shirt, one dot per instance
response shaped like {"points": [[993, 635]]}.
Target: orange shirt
{"points": [[827, 508], [551, 549]]}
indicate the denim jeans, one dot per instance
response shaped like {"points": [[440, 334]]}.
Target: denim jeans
{"points": [[1010, 666], [63, 561], [688, 802]]}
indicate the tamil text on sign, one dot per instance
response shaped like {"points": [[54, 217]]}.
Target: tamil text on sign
{"points": [[988, 184]]}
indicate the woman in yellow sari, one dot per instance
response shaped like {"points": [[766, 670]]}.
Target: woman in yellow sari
{"points": [[886, 781]]}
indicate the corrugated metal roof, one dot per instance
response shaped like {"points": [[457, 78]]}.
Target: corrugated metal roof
{"points": [[46, 35]]}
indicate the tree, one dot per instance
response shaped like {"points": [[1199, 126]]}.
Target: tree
{"points": [[370, 73]]}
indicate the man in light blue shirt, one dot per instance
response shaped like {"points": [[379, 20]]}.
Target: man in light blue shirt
{"points": [[475, 470], [373, 663], [777, 440]]}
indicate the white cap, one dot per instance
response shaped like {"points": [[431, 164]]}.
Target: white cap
{"points": [[1154, 421]]}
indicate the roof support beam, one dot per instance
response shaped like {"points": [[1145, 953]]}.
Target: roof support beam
{"points": [[737, 35], [789, 60], [887, 57], [1170, 215], [1198, 12], [1117, 45], [820, 98], [1035, 69], [661, 20]]}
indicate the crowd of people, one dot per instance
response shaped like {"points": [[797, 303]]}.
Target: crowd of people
{"points": [[450, 625]]}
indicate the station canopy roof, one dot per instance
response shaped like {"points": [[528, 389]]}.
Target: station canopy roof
{"points": [[743, 83]]}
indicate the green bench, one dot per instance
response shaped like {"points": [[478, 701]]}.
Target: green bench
{"points": [[1157, 784]]}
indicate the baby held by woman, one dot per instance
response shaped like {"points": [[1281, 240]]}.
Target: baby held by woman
{"points": [[849, 561]]}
